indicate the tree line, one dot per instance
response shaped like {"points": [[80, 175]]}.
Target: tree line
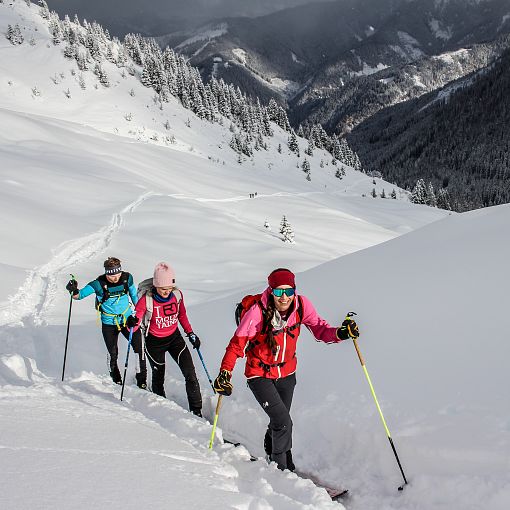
{"points": [[170, 74]]}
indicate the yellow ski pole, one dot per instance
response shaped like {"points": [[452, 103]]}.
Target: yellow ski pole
{"points": [[362, 361], [213, 433]]}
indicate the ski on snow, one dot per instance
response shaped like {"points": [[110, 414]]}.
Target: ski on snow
{"points": [[236, 444], [335, 493]]}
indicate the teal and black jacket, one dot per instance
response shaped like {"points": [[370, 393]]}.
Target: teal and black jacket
{"points": [[112, 299]]}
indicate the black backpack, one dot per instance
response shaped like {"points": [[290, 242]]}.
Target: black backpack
{"points": [[103, 282]]}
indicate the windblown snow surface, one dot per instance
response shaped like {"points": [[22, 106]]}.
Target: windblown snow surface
{"points": [[429, 289]]}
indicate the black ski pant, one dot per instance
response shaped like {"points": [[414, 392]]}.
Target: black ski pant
{"points": [[111, 337], [156, 348], [275, 397]]}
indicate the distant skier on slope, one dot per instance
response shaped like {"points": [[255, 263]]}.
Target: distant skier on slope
{"points": [[160, 308], [267, 333], [113, 291]]}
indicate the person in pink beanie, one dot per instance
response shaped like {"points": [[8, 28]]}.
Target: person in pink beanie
{"points": [[159, 311], [267, 335]]}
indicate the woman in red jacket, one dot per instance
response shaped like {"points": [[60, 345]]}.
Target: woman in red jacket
{"points": [[267, 336]]}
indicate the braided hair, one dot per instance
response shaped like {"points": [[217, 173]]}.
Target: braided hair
{"points": [[267, 326]]}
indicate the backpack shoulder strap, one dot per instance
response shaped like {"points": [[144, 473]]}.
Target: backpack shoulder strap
{"points": [[149, 309], [101, 279], [103, 285], [178, 295], [300, 312], [149, 303], [127, 281]]}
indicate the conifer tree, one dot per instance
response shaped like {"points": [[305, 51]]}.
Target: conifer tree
{"points": [[14, 35], [70, 51], [306, 169], [101, 74], [286, 231], [283, 224], [431, 196], [310, 148], [443, 199], [419, 193], [293, 143], [44, 12]]}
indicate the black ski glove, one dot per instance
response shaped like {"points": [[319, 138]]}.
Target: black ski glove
{"points": [[72, 287], [194, 340], [348, 329], [222, 384], [132, 321]]}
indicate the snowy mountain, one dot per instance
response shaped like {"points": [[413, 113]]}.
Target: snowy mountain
{"points": [[454, 138], [81, 182], [337, 63], [124, 16]]}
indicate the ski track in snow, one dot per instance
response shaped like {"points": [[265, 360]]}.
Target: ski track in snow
{"points": [[38, 292], [244, 197]]}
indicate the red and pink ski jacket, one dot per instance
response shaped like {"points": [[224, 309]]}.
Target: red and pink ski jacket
{"points": [[249, 341], [164, 316]]}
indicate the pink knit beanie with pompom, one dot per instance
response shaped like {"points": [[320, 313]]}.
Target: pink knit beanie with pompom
{"points": [[164, 275]]}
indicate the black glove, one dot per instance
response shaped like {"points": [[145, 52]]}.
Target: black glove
{"points": [[194, 340], [222, 384], [132, 321], [72, 287], [348, 329]]}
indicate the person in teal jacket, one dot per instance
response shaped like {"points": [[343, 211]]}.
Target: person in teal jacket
{"points": [[115, 293]]}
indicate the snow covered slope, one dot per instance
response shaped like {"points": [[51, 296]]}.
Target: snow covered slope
{"points": [[430, 311], [82, 151]]}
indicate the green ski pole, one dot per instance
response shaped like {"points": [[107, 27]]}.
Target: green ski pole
{"points": [[215, 422], [362, 361]]}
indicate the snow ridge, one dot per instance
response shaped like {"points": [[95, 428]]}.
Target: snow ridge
{"points": [[38, 292]]}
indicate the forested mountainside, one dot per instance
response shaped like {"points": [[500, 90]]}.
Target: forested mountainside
{"points": [[161, 16], [456, 138], [341, 109], [384, 54], [336, 63]]}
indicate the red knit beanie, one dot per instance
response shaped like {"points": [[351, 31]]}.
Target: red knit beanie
{"points": [[281, 276]]}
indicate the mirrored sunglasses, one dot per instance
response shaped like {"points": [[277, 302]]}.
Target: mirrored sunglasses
{"points": [[280, 292]]}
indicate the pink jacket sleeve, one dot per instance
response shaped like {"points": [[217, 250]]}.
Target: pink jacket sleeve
{"points": [[140, 309], [319, 328], [183, 317], [248, 329]]}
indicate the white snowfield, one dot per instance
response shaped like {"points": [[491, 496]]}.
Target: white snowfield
{"points": [[77, 187]]}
